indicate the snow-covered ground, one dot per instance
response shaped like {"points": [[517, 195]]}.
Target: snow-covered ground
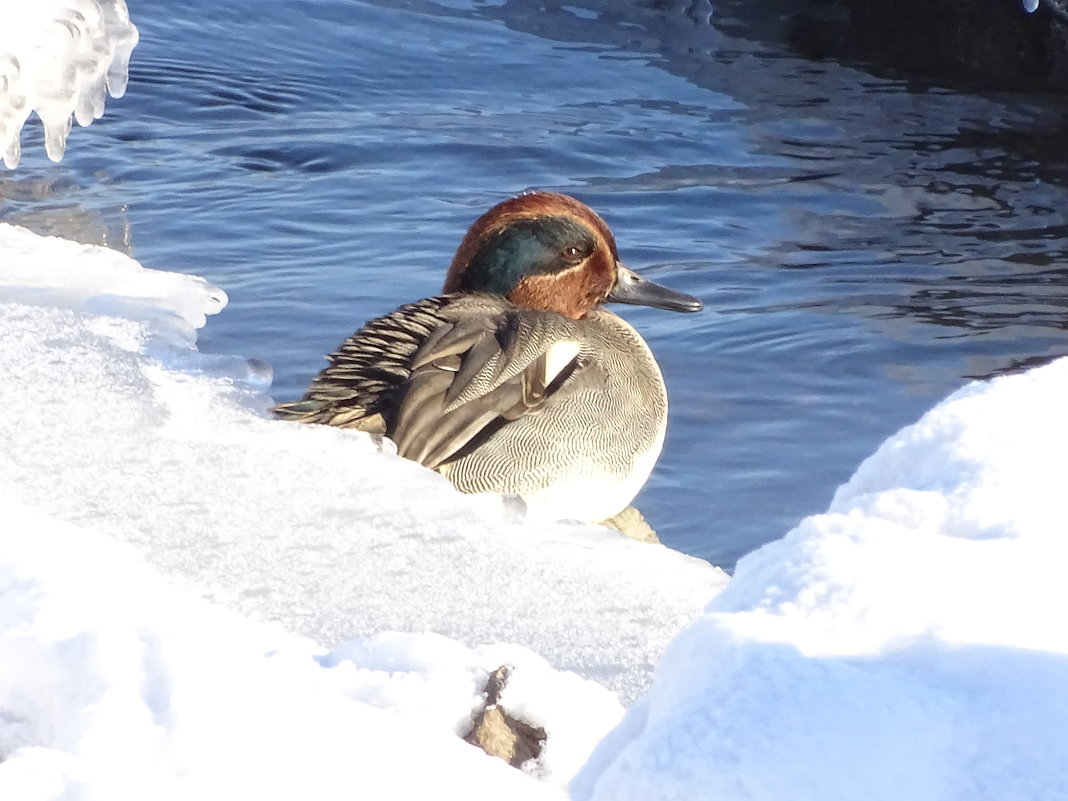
{"points": [[116, 685], [140, 477], [197, 601]]}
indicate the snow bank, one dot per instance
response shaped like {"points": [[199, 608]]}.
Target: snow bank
{"points": [[122, 426], [130, 462], [910, 643], [907, 644], [57, 58], [117, 686]]}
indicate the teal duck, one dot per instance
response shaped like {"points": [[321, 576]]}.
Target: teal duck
{"points": [[515, 379]]}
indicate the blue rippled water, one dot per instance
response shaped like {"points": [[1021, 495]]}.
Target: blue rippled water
{"points": [[864, 245]]}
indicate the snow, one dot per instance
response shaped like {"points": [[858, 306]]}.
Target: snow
{"points": [[119, 686], [909, 643], [191, 582], [197, 601], [311, 526], [57, 58]]}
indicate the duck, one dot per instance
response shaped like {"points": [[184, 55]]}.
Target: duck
{"points": [[515, 379]]}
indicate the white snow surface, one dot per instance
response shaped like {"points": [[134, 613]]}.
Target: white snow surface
{"points": [[198, 602], [115, 685], [189, 584], [909, 643], [59, 58]]}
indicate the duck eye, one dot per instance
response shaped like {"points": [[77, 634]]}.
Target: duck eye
{"points": [[572, 254]]}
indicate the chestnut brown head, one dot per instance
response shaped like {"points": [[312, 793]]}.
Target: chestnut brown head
{"points": [[544, 250]]}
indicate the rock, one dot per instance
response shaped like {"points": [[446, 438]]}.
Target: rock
{"points": [[498, 733]]}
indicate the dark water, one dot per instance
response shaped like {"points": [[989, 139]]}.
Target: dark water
{"points": [[864, 242]]}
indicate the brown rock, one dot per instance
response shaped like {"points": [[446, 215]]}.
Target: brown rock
{"points": [[498, 733]]}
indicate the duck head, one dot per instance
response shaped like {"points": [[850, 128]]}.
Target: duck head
{"points": [[544, 250]]}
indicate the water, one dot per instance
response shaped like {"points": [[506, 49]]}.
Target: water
{"points": [[864, 244]]}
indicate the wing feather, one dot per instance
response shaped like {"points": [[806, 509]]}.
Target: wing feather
{"points": [[442, 375]]}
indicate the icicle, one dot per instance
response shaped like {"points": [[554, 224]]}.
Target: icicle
{"points": [[58, 58]]}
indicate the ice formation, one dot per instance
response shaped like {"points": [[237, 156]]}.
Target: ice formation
{"points": [[57, 58]]}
